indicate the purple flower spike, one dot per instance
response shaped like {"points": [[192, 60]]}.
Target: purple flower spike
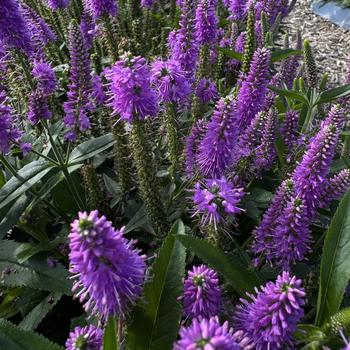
{"points": [[109, 271], [41, 32], [14, 31], [57, 4], [310, 175], [98, 92], [88, 28], [80, 85], [253, 90], [206, 22], [214, 199], [206, 91], [38, 108], [266, 153], [192, 145], [336, 187], [271, 317], [100, 8], [263, 243], [335, 116], [9, 132], [45, 77], [170, 82], [237, 10], [130, 89], [88, 337], [290, 129], [206, 334], [202, 295], [215, 150], [183, 43], [292, 238]]}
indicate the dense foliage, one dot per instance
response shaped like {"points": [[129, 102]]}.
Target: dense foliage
{"points": [[173, 175]]}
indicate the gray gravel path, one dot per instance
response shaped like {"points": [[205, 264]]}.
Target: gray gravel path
{"points": [[331, 43]]}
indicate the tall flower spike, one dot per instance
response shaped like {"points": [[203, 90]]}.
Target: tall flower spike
{"points": [[89, 337], [206, 91], [38, 108], [9, 132], [289, 68], [206, 22], [100, 8], [271, 317], [130, 89], [290, 129], [170, 82], [215, 198], [291, 238], [237, 10], [41, 32], [266, 153], [206, 334], [250, 41], [336, 187], [58, 4], [78, 105], [251, 96], [310, 65], [109, 272], [14, 31], [45, 77], [336, 116], [263, 234], [310, 175], [183, 43], [202, 295], [249, 140], [216, 147], [192, 144]]}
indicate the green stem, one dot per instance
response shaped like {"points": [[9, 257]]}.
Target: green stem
{"points": [[70, 182], [146, 174]]}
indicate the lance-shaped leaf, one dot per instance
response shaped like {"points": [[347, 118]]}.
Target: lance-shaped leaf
{"points": [[90, 148], [155, 325], [15, 338], [335, 263]]}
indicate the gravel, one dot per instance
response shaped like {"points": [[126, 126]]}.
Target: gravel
{"points": [[330, 43]]}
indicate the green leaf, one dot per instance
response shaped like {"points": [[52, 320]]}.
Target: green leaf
{"points": [[290, 94], [34, 317], [15, 338], [333, 94], [2, 179], [155, 325], [29, 175], [12, 213], [241, 279], [309, 333], [137, 221], [230, 53], [335, 263], [280, 55], [110, 341], [34, 273], [90, 148]]}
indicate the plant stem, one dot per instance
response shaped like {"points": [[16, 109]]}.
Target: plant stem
{"points": [[63, 166]]}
